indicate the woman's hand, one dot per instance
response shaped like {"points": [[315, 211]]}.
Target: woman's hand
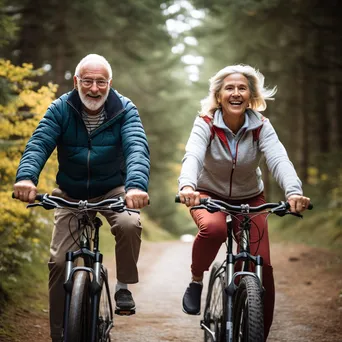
{"points": [[189, 196], [298, 203]]}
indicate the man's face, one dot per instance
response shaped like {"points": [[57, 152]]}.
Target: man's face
{"points": [[93, 85]]}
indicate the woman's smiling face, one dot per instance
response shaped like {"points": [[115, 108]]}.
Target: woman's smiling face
{"points": [[234, 95]]}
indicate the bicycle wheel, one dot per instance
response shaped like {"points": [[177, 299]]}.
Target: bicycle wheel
{"points": [[214, 312], [79, 312], [105, 311], [248, 325]]}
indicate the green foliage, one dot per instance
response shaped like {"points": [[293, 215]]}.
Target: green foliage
{"points": [[8, 27], [321, 227]]}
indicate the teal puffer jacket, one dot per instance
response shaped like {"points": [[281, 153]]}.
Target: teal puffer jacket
{"points": [[114, 154]]}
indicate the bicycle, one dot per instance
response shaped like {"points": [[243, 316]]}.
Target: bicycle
{"points": [[88, 310], [234, 302]]}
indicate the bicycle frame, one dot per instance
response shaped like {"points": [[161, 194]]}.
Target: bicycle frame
{"points": [[228, 267]]}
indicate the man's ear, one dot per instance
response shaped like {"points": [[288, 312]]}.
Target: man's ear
{"points": [[75, 82]]}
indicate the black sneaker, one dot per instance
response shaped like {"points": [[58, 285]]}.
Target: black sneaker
{"points": [[192, 299], [124, 302]]}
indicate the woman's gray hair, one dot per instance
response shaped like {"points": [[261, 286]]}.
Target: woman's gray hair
{"points": [[259, 93], [96, 59]]}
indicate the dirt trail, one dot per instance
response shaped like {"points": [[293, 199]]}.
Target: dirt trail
{"points": [[308, 298]]}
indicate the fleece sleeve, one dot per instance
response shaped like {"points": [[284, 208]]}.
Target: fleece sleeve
{"points": [[195, 151], [278, 161]]}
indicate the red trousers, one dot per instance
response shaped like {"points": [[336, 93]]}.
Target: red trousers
{"points": [[213, 232]]}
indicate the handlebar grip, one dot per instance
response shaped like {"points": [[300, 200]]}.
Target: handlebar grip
{"points": [[310, 206], [39, 197], [202, 200]]}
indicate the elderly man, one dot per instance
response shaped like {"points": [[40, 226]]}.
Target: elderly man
{"points": [[102, 153]]}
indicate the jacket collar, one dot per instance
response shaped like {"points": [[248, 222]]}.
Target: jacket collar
{"points": [[254, 119], [113, 104]]}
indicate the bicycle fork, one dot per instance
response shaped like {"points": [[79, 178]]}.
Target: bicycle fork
{"points": [[231, 275], [95, 287]]}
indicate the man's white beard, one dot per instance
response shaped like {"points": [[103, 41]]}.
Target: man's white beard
{"points": [[91, 104]]}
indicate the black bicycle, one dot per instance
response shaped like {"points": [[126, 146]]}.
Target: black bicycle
{"points": [[234, 303], [88, 311]]}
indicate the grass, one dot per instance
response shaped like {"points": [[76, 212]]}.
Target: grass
{"points": [[319, 228]]}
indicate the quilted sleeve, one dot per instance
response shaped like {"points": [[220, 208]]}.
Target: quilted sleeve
{"points": [[135, 149], [41, 144]]}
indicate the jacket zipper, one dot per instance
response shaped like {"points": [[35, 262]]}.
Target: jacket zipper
{"points": [[231, 177], [234, 163], [88, 164]]}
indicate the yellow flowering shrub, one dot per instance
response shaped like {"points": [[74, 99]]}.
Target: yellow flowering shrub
{"points": [[21, 229]]}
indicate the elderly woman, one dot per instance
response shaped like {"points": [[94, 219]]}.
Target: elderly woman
{"points": [[222, 158]]}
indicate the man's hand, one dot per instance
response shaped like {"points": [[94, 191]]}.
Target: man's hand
{"points": [[298, 203], [136, 199], [25, 191]]}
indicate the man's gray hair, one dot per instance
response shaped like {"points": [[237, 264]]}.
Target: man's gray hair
{"points": [[259, 93], [96, 59]]}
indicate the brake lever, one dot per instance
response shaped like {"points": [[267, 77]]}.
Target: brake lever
{"points": [[31, 205], [130, 210], [208, 206], [295, 214], [41, 204], [200, 206], [283, 212], [280, 213]]}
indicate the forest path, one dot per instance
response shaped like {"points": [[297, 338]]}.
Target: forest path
{"points": [[308, 298]]}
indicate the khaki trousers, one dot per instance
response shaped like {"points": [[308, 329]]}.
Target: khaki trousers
{"points": [[125, 227]]}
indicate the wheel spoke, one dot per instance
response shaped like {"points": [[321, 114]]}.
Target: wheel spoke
{"points": [[214, 310]]}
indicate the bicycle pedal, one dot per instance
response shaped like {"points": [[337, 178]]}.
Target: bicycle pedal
{"points": [[122, 312]]}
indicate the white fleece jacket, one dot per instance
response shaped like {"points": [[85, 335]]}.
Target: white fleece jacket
{"points": [[208, 164]]}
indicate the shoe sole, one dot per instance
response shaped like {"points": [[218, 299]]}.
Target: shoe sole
{"points": [[124, 312], [192, 314]]}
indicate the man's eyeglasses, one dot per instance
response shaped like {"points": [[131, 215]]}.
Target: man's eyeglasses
{"points": [[88, 82]]}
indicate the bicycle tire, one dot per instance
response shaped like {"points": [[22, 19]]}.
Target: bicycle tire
{"points": [[215, 306], [79, 312], [248, 325], [105, 311]]}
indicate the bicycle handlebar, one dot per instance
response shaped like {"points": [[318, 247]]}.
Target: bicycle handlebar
{"points": [[281, 208], [52, 202]]}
